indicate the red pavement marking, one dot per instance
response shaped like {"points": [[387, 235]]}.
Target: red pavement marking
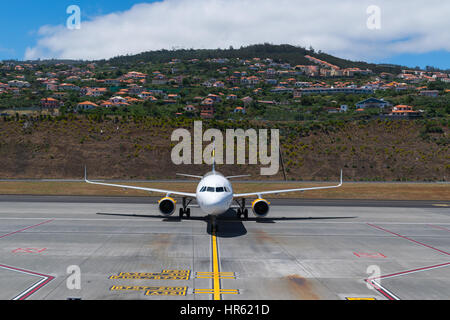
{"points": [[409, 239], [38, 285], [369, 255], [387, 294], [411, 271], [36, 225], [439, 227], [29, 250]]}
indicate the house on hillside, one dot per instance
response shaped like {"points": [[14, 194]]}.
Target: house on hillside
{"points": [[247, 100], [271, 81], [118, 101], [207, 111], [239, 110], [405, 111], [112, 82], [147, 96], [50, 103], [190, 108], [135, 90], [94, 92], [87, 105], [19, 84], [343, 108], [429, 93], [106, 104], [68, 86], [372, 103], [159, 79], [208, 102]]}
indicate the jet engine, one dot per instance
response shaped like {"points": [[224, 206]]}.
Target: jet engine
{"points": [[261, 207], [167, 206]]}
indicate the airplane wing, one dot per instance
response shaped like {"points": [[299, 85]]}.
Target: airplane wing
{"points": [[241, 176], [167, 192], [189, 175], [259, 194]]}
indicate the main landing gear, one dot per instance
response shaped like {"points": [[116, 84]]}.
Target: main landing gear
{"points": [[242, 211], [185, 211]]}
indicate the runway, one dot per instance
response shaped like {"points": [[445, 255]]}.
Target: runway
{"points": [[93, 248]]}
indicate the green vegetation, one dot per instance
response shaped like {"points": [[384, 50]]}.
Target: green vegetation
{"points": [[188, 73], [139, 147], [128, 134]]}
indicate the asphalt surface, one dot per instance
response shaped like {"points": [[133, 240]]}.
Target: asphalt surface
{"points": [[278, 202], [304, 250]]}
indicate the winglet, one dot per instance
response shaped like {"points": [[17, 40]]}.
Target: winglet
{"points": [[85, 174], [341, 183]]}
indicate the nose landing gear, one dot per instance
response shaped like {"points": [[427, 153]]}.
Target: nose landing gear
{"points": [[213, 224]]}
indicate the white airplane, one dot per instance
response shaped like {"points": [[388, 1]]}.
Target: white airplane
{"points": [[214, 196]]}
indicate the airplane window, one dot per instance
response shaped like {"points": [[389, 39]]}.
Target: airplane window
{"points": [[220, 189], [210, 189], [203, 189], [226, 189]]}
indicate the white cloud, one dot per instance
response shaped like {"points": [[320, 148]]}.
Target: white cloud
{"points": [[337, 27]]}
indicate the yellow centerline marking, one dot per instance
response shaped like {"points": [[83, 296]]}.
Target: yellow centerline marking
{"points": [[216, 281], [230, 278], [207, 272], [211, 275]]}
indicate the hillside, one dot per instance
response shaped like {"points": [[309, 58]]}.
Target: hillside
{"points": [[279, 53], [139, 148]]}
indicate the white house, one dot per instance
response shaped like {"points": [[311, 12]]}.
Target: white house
{"points": [[372, 103]]}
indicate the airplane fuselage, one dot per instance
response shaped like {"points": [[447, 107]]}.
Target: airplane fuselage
{"points": [[214, 194]]}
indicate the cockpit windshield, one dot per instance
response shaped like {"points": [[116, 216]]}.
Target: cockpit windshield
{"points": [[212, 189]]}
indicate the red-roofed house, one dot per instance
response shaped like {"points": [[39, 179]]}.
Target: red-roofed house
{"points": [[404, 110], [87, 105], [207, 111], [239, 110], [50, 103]]}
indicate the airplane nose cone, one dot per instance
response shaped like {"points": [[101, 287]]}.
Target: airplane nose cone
{"points": [[215, 205]]}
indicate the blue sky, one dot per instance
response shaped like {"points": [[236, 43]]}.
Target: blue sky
{"points": [[426, 44], [23, 19], [439, 59]]}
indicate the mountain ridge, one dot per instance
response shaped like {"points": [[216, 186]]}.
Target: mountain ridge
{"points": [[287, 53]]}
